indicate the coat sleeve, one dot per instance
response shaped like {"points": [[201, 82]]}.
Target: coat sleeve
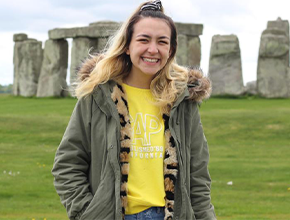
{"points": [[200, 180], [71, 164]]}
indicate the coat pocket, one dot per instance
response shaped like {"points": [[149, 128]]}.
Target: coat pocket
{"points": [[188, 208], [103, 205]]}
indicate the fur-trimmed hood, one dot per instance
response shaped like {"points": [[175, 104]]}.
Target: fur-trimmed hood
{"points": [[199, 86]]}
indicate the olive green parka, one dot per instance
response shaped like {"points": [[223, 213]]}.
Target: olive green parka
{"points": [[91, 166]]}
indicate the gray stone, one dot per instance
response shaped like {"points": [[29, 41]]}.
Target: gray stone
{"points": [[31, 39], [27, 65], [273, 62], [251, 88], [102, 44], [274, 43], [272, 78], [225, 69], [194, 51], [279, 24], [19, 37], [189, 29], [81, 48], [181, 54], [52, 80], [224, 44], [188, 51], [95, 30], [107, 28]]}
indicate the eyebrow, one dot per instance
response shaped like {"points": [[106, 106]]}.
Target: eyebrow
{"points": [[147, 36]]}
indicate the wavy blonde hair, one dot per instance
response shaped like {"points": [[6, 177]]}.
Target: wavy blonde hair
{"points": [[115, 64]]}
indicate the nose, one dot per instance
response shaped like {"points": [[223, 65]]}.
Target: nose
{"points": [[153, 48]]}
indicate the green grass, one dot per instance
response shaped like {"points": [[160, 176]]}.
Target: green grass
{"points": [[249, 144]]}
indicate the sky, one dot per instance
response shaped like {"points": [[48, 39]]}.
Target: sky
{"points": [[247, 19]]}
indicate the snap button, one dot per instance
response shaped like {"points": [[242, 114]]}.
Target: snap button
{"points": [[112, 146]]}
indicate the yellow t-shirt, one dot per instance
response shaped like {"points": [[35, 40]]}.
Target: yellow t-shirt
{"points": [[146, 180]]}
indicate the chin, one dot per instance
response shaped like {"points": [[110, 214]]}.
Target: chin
{"points": [[151, 72]]}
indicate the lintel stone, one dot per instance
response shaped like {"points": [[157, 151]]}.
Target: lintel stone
{"points": [[189, 29], [95, 30], [19, 37]]}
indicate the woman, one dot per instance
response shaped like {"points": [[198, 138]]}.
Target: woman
{"points": [[134, 146]]}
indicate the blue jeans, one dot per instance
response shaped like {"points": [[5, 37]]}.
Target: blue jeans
{"points": [[153, 213]]}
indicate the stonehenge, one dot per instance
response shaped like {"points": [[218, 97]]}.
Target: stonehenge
{"points": [[52, 79], [27, 61], [189, 47], [42, 71], [273, 71], [47, 76], [225, 67], [273, 79]]}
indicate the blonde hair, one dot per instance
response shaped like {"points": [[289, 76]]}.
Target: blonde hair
{"points": [[115, 64]]}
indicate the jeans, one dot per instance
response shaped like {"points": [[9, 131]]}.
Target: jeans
{"points": [[153, 213]]}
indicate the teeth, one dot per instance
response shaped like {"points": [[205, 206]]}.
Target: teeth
{"points": [[150, 60]]}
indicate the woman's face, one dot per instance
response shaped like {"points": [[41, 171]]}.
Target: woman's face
{"points": [[149, 48]]}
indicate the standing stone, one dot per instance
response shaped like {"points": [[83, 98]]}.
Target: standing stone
{"points": [[194, 51], [181, 54], [251, 88], [189, 47], [52, 81], [188, 51], [225, 68], [27, 59], [273, 62], [102, 44], [81, 48]]}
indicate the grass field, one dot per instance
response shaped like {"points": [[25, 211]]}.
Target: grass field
{"points": [[249, 140]]}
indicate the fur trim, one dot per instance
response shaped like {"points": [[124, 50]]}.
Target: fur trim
{"points": [[170, 169], [88, 66], [119, 98], [199, 86]]}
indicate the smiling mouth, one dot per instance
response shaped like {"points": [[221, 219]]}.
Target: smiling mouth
{"points": [[150, 60]]}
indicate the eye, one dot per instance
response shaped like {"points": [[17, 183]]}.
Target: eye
{"points": [[163, 42], [144, 40]]}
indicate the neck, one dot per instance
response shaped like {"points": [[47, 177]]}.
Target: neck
{"points": [[138, 81]]}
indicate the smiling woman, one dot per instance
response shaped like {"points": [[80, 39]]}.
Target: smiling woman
{"points": [[149, 51], [134, 147]]}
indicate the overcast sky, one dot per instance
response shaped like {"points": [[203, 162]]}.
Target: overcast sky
{"points": [[244, 18]]}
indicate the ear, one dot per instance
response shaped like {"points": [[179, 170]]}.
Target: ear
{"points": [[170, 52], [127, 51]]}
